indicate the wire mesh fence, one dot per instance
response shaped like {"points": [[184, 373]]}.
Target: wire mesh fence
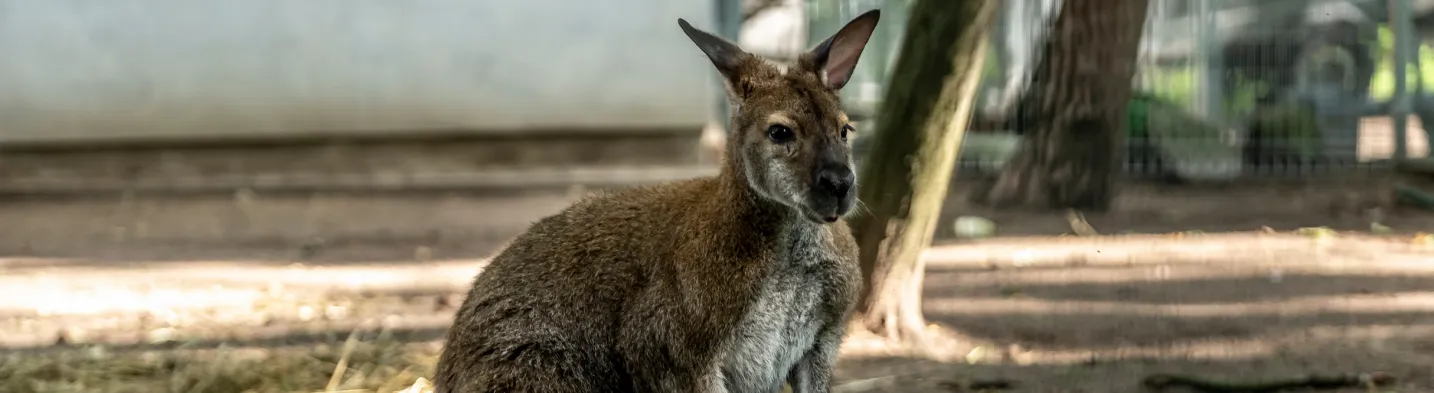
{"points": [[1231, 88]]}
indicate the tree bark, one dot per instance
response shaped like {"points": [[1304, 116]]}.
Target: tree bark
{"points": [[913, 150], [1073, 115]]}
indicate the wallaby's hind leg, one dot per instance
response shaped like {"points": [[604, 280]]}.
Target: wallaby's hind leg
{"points": [[531, 368]]}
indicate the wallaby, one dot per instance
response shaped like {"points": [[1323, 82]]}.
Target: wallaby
{"points": [[734, 283]]}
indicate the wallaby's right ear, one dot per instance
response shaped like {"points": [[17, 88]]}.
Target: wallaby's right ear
{"points": [[836, 57], [724, 54]]}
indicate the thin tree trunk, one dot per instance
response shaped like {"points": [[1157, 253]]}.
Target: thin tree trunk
{"points": [[904, 177], [1074, 112]]}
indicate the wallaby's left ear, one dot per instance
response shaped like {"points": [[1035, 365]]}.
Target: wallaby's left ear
{"points": [[835, 58], [725, 55]]}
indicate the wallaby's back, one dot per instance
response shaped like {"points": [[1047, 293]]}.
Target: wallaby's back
{"points": [[602, 264]]}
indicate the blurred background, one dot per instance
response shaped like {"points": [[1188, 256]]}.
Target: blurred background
{"points": [[267, 195]]}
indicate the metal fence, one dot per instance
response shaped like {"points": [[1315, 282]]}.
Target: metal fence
{"points": [[1232, 88]]}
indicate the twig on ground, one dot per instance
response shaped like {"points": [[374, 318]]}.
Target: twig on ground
{"points": [[864, 385], [1079, 225], [343, 363]]}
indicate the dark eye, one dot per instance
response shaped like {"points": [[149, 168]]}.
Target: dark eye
{"points": [[845, 129], [780, 134]]}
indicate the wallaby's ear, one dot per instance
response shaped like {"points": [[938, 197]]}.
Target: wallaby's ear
{"points": [[835, 58], [724, 54]]}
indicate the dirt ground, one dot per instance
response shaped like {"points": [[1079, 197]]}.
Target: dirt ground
{"points": [[1097, 315], [1223, 289]]}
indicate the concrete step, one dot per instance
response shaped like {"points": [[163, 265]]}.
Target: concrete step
{"points": [[337, 218], [480, 179], [468, 162]]}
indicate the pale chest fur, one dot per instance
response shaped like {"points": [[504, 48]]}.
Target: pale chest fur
{"points": [[797, 301]]}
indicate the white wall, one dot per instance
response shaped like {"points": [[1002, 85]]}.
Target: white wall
{"points": [[114, 69]]}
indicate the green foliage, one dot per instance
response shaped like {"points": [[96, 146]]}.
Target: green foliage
{"points": [[1147, 108], [1174, 85], [1179, 86], [1183, 140], [1245, 98], [1381, 86], [991, 71], [1136, 112], [1289, 124]]}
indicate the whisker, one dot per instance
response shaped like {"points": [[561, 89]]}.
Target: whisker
{"points": [[861, 205]]}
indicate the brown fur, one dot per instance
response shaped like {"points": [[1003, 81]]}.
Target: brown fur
{"points": [[729, 283]]}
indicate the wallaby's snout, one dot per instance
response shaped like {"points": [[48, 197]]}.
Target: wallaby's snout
{"points": [[834, 189]]}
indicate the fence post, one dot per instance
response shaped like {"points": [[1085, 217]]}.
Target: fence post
{"points": [[1213, 68], [1401, 24]]}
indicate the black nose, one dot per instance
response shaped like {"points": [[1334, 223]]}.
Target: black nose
{"points": [[835, 181]]}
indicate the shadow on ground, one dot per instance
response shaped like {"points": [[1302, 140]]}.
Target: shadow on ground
{"points": [[1124, 375], [1104, 328]]}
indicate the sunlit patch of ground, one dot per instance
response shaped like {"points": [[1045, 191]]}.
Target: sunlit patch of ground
{"points": [[43, 304]]}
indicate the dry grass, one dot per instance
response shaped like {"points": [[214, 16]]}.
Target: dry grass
{"points": [[374, 364], [355, 366]]}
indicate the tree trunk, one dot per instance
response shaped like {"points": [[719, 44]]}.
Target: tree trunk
{"points": [[1073, 114], [904, 177]]}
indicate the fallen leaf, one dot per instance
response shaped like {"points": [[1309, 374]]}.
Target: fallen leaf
{"points": [[1378, 228], [1316, 232], [975, 355]]}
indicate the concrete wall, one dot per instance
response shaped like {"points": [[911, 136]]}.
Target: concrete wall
{"points": [[123, 69]]}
